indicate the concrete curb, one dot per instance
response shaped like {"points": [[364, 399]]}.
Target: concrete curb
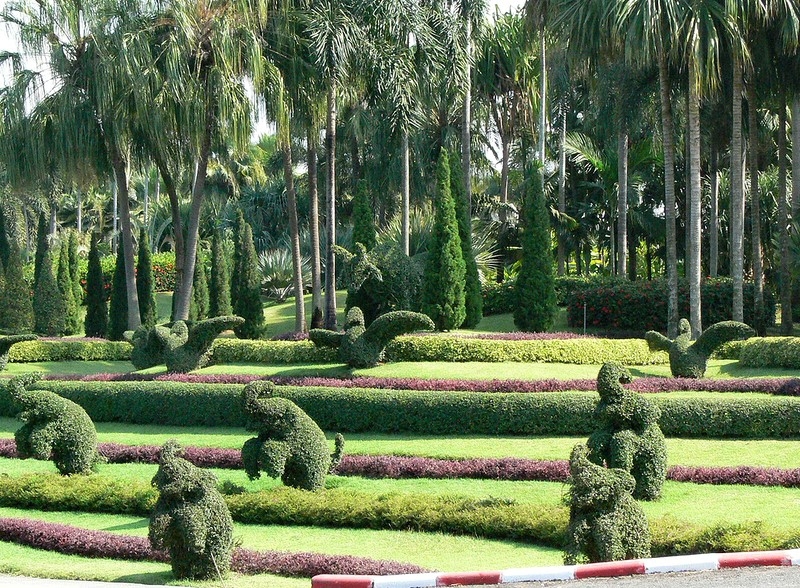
{"points": [[655, 565]]}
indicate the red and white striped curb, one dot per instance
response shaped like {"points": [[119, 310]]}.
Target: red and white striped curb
{"points": [[655, 565]]}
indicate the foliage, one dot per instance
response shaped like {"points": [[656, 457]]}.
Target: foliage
{"points": [[771, 352], [280, 352], [74, 267], [363, 217], [443, 280], [276, 271], [605, 522], [190, 519], [534, 289], [238, 249], [247, 282], [49, 308], [627, 435], [689, 359], [7, 342], [95, 324], [360, 346], [145, 284], [70, 350], [16, 310], [67, 291], [55, 428], [289, 444], [118, 305], [200, 305], [42, 246], [219, 303]]}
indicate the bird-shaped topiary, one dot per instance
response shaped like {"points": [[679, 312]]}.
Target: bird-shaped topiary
{"points": [[627, 434], [7, 342], [183, 347], [190, 520], [361, 346], [55, 428], [689, 359], [605, 522], [290, 445]]}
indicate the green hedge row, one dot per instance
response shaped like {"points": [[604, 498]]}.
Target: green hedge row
{"points": [[575, 351], [490, 518], [69, 350], [770, 352], [448, 413], [257, 351]]}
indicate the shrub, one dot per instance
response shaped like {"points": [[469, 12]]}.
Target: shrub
{"points": [[190, 519], [771, 352], [16, 310], [67, 290], [219, 303], [243, 351], [247, 301], [473, 300], [363, 217], [70, 350], [5, 246], [118, 305], [145, 287], [7, 342], [95, 324], [535, 305], [199, 307], [498, 297], [42, 246], [55, 428], [289, 445], [74, 267], [49, 308]]}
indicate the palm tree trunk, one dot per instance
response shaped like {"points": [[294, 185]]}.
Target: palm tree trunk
{"points": [[121, 179], [622, 200], [795, 155], [543, 94], [294, 232], [562, 185], [330, 204], [406, 181], [466, 125], [713, 221], [783, 221], [313, 194], [668, 132], [693, 239], [737, 193], [755, 211]]}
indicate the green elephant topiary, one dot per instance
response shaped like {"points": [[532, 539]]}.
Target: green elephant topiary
{"points": [[289, 445], [689, 359], [360, 346], [55, 428], [628, 435], [183, 347], [7, 342], [605, 522], [190, 520]]}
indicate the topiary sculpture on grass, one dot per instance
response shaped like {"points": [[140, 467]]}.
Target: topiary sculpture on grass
{"points": [[183, 347], [360, 346], [689, 359], [289, 445], [55, 428], [7, 342], [190, 520], [628, 435], [605, 522]]}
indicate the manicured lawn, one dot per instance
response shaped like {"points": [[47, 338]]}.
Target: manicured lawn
{"points": [[63, 368]]}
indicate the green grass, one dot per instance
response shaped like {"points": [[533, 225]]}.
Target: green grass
{"points": [[279, 318], [63, 368]]}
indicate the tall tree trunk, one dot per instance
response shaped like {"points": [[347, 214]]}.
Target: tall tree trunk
{"points": [[693, 250], [543, 94], [783, 221], [795, 155], [713, 220], [121, 181], [562, 184], [622, 199], [115, 220], [466, 125], [737, 193], [294, 232], [406, 186], [755, 211], [313, 194], [330, 204], [668, 132], [79, 211]]}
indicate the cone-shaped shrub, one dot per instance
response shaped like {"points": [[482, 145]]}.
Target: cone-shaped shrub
{"points": [[42, 245], [443, 283], [363, 217], [535, 288], [473, 299], [118, 305], [74, 272], [95, 324], [236, 266], [198, 309], [49, 309], [219, 303], [64, 280], [16, 310], [248, 304], [145, 283]]}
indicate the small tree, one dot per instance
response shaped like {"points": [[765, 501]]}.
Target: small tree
{"points": [[535, 288], [248, 303], [16, 310], [236, 266], [473, 298], [95, 324], [74, 272], [145, 283], [64, 280], [363, 217], [443, 284], [49, 308], [219, 303], [118, 306], [198, 310], [42, 245]]}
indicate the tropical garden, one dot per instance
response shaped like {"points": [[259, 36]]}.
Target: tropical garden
{"points": [[452, 225]]}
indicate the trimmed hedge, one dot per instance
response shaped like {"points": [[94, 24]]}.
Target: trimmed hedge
{"points": [[70, 350], [447, 413], [770, 352], [258, 351]]}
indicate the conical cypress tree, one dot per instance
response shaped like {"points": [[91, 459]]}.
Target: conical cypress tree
{"points": [[534, 289], [73, 267], [198, 309], [65, 287], [443, 282], [95, 323], [248, 305], [118, 305], [16, 310], [473, 298], [219, 303], [5, 246], [42, 245], [236, 275], [49, 308], [145, 283], [363, 217]]}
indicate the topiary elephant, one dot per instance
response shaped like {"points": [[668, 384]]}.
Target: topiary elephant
{"points": [[689, 359], [361, 346]]}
